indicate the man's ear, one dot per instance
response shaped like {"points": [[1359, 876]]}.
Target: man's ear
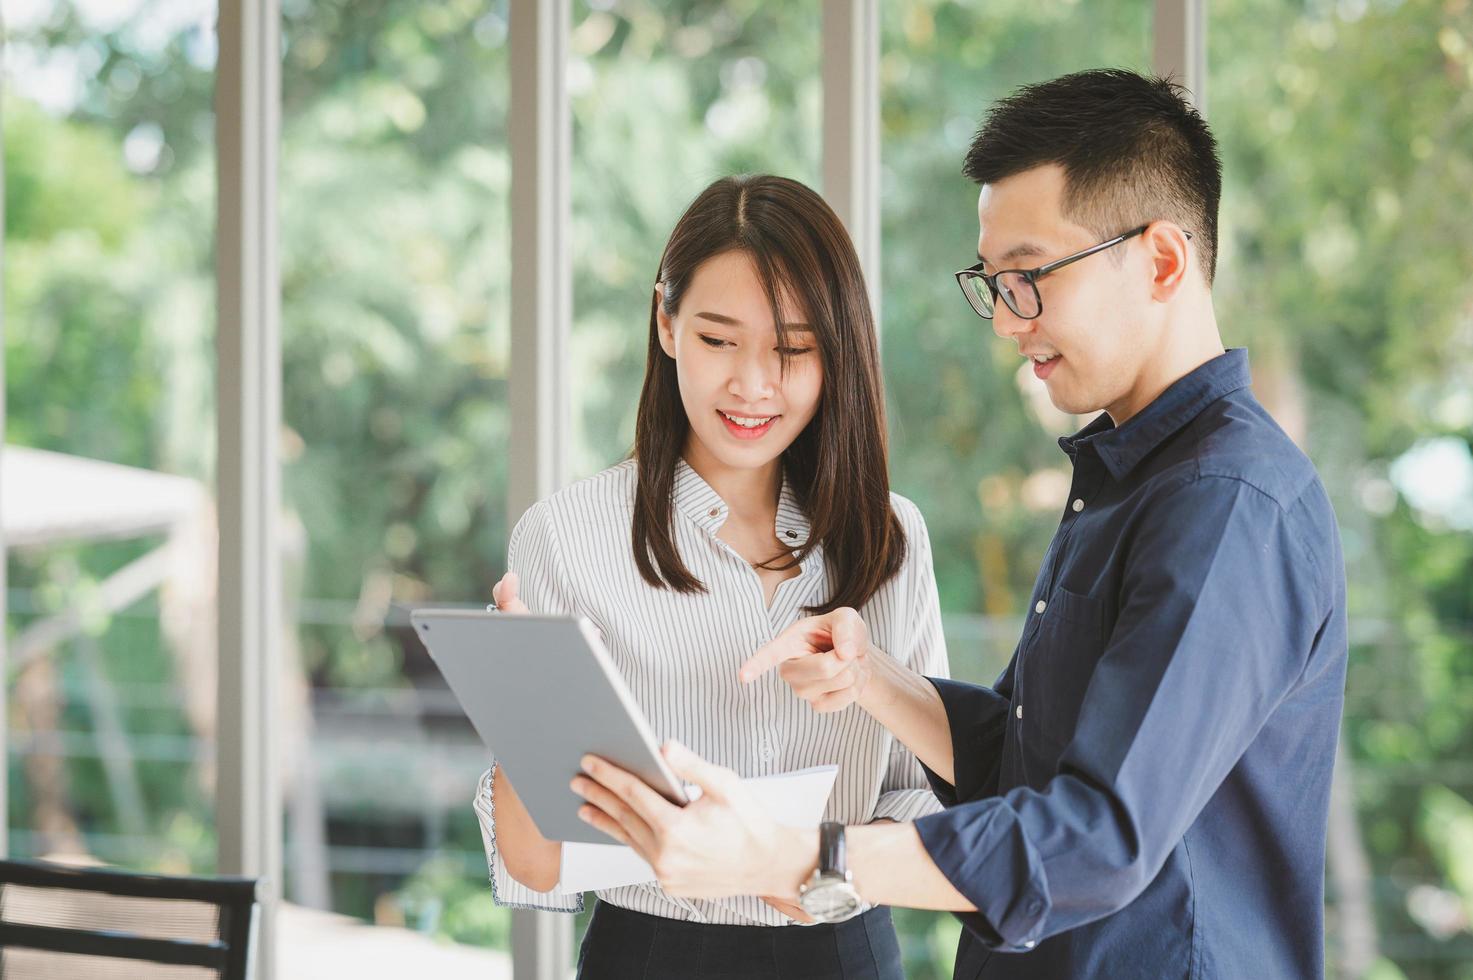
{"points": [[664, 327], [1170, 255]]}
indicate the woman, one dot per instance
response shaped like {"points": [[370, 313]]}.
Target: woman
{"points": [[757, 492]]}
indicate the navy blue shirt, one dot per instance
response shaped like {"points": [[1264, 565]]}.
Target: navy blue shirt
{"points": [[1144, 792]]}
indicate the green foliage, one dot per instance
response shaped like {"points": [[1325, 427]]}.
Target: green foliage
{"points": [[1447, 821], [439, 899]]}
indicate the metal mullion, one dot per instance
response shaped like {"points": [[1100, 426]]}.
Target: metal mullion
{"points": [[851, 127], [248, 478], [540, 133], [1179, 45]]}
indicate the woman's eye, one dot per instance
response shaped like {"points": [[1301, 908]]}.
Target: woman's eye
{"points": [[714, 341], [794, 351]]}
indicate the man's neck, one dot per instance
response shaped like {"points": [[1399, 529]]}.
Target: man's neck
{"points": [[1189, 340]]}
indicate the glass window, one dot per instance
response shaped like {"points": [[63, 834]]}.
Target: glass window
{"points": [[1347, 139], [691, 91], [109, 459], [395, 306]]}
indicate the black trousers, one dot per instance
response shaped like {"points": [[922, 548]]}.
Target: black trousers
{"points": [[625, 945]]}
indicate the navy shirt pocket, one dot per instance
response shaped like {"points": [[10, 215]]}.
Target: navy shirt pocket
{"points": [[1068, 645]]}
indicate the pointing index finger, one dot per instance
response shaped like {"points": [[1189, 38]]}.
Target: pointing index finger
{"points": [[799, 640], [770, 655]]}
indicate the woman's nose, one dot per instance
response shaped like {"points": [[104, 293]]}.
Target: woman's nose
{"points": [[755, 379]]}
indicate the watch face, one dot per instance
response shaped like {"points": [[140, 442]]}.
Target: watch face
{"points": [[831, 901]]}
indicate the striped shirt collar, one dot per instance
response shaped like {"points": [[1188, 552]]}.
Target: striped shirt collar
{"points": [[694, 498]]}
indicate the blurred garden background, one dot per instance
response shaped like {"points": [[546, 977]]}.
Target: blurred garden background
{"points": [[1346, 268]]}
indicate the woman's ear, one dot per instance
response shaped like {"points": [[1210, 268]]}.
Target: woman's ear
{"points": [[662, 322]]}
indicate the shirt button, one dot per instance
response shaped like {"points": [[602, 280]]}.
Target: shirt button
{"points": [[1078, 505], [791, 534], [1029, 944], [1040, 607], [1019, 712], [713, 512], [768, 753]]}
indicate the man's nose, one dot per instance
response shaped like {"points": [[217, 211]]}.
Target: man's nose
{"points": [[1007, 324]]}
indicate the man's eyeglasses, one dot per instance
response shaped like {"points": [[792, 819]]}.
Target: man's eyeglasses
{"points": [[1019, 287]]}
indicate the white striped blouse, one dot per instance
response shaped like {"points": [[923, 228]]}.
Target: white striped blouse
{"points": [[680, 655]]}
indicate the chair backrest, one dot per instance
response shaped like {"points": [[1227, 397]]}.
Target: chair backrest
{"points": [[59, 922]]}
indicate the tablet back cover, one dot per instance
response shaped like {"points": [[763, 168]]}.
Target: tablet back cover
{"points": [[542, 693]]}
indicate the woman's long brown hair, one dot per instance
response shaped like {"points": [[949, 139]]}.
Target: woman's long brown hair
{"points": [[837, 465]]}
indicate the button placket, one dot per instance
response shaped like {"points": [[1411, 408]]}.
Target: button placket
{"points": [[1087, 473]]}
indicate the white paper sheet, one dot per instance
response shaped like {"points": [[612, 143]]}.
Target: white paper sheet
{"points": [[795, 799]]}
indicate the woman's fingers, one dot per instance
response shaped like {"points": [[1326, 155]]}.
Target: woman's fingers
{"points": [[504, 593]]}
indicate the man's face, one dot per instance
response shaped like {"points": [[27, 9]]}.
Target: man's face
{"points": [[1098, 322]]}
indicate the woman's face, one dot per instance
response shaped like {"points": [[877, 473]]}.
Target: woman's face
{"points": [[743, 410]]}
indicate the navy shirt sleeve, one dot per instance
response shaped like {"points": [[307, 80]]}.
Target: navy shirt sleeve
{"points": [[1220, 602], [978, 717]]}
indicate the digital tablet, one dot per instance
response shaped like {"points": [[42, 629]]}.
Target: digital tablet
{"points": [[542, 692]]}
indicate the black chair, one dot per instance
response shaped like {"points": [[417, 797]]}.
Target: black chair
{"points": [[59, 922]]}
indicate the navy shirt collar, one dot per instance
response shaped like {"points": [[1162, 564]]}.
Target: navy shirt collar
{"points": [[1120, 449]]}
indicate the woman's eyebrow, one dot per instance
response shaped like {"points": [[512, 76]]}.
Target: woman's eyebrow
{"points": [[725, 320]]}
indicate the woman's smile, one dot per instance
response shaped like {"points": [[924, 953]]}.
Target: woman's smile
{"points": [[747, 426]]}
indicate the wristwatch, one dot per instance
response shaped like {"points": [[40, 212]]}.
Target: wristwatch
{"points": [[829, 896]]}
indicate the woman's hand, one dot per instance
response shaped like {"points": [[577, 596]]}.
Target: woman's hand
{"points": [[721, 844], [824, 659], [504, 594]]}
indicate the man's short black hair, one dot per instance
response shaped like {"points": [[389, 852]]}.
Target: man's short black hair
{"points": [[1133, 150]]}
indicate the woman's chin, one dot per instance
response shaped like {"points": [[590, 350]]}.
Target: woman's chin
{"points": [[738, 453]]}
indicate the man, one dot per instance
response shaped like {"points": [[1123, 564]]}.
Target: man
{"points": [[1144, 791]]}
